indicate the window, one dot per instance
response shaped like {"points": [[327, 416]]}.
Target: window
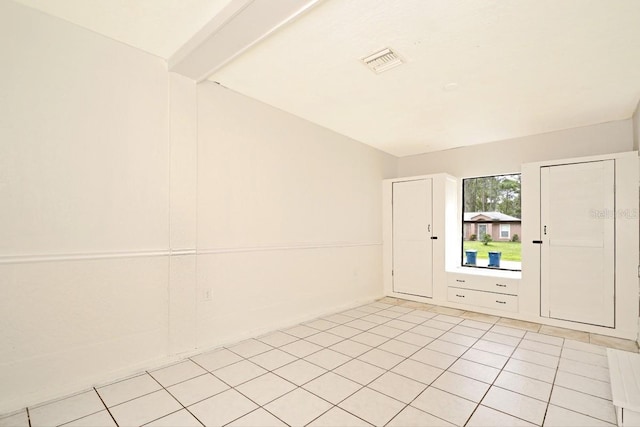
{"points": [[491, 223], [505, 231]]}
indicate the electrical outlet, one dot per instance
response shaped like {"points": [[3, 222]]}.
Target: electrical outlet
{"points": [[207, 294]]}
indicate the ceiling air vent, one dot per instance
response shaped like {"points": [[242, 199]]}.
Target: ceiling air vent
{"points": [[382, 61]]}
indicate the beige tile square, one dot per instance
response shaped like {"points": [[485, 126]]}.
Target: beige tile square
{"points": [[321, 324], [332, 387], [179, 372], [338, 318], [369, 339], [487, 417], [476, 324], [301, 348], [257, 418], [461, 386], [501, 339], [379, 319], [344, 331], [564, 333], [517, 405], [508, 330], [494, 347], [386, 331], [381, 358], [519, 324], [336, 417], [372, 406], [360, 372], [583, 346], [222, 408], [300, 372], [216, 359], [181, 418], [387, 314], [485, 358], [417, 305], [451, 408], [560, 417], [399, 347], [583, 384], [484, 373], [19, 419], [65, 410], [397, 386], [611, 342], [250, 348], [445, 347], [437, 324], [535, 357], [121, 391], [99, 419], [350, 348], [273, 359], [277, 339], [434, 358], [298, 408], [470, 332], [400, 309], [324, 339], [531, 370], [459, 339], [302, 331], [400, 324], [265, 388], [585, 357], [426, 374], [328, 359], [550, 349], [427, 331], [584, 369], [412, 417], [239, 373], [360, 324], [583, 403], [524, 385], [414, 339], [448, 319], [197, 389], [547, 339], [145, 409], [412, 318]]}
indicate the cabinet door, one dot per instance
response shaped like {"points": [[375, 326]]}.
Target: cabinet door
{"points": [[577, 212], [412, 243]]}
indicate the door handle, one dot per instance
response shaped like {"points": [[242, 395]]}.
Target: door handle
{"points": [[434, 238], [537, 242]]}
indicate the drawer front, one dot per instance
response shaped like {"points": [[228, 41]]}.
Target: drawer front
{"points": [[484, 283], [492, 300]]}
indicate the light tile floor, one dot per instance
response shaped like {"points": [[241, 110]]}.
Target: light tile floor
{"points": [[389, 363]]}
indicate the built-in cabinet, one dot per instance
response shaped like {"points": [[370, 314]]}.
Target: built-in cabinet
{"points": [[580, 226]]}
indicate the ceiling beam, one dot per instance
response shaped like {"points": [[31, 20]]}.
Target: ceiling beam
{"points": [[240, 25]]}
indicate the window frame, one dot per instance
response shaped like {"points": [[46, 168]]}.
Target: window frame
{"points": [[508, 236]]}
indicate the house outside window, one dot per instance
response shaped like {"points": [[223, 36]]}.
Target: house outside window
{"points": [[491, 224], [505, 231]]}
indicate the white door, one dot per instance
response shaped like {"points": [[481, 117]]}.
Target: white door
{"points": [[577, 213], [412, 243]]}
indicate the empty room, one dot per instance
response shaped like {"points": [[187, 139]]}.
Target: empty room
{"points": [[319, 213]]}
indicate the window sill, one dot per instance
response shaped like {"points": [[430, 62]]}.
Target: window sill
{"points": [[486, 272]]}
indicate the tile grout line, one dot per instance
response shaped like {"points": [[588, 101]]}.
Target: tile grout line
{"points": [[174, 398], [105, 406]]}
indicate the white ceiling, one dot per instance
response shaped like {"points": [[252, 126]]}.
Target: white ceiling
{"points": [[522, 67], [159, 27], [519, 67]]}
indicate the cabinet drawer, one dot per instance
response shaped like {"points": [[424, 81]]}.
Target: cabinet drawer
{"points": [[483, 299], [483, 283]]}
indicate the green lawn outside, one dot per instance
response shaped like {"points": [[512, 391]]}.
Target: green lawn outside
{"points": [[510, 250]]}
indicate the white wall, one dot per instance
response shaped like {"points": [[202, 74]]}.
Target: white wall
{"points": [[507, 156], [289, 217], [114, 173], [84, 190]]}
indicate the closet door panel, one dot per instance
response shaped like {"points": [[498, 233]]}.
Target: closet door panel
{"points": [[577, 254], [412, 231]]}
